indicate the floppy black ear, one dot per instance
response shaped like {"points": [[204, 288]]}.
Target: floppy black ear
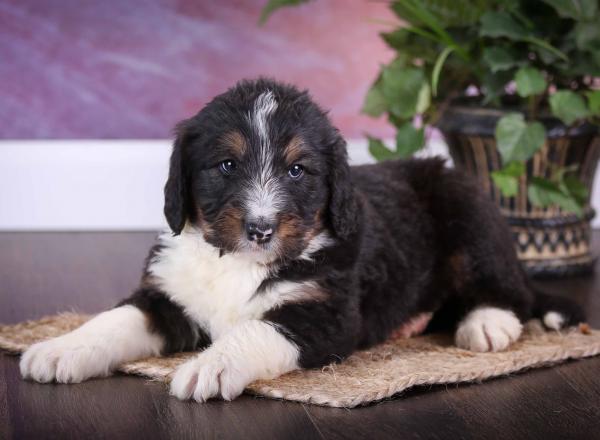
{"points": [[343, 208], [176, 199]]}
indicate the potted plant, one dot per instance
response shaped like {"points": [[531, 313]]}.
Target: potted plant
{"points": [[513, 86]]}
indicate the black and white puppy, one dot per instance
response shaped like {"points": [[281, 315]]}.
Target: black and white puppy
{"points": [[281, 256]]}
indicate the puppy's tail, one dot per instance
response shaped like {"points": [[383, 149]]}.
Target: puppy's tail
{"points": [[556, 312]]}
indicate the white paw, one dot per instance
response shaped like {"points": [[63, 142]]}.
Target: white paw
{"points": [[210, 374], [554, 320], [488, 329], [66, 359]]}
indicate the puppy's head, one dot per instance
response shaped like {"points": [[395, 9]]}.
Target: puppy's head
{"points": [[260, 170]]}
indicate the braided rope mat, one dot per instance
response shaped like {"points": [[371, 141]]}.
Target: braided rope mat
{"points": [[366, 376]]}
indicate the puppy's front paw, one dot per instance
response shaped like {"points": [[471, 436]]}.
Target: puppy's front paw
{"points": [[488, 329], [210, 374], [66, 359]]}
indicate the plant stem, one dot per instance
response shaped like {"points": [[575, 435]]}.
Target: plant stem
{"points": [[531, 105], [438, 113]]}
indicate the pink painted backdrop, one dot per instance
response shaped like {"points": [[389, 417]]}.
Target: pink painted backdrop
{"points": [[133, 68]]}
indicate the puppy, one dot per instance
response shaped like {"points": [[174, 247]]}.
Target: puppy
{"points": [[282, 256]]}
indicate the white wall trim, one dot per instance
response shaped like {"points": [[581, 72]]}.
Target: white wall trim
{"points": [[103, 184], [82, 184]]}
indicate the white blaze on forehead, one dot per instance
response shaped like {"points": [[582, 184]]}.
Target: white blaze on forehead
{"points": [[263, 195], [264, 106]]}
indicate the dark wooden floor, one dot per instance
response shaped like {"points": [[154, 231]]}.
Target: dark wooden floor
{"points": [[42, 273]]}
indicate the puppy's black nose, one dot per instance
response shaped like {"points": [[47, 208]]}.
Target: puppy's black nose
{"points": [[259, 231]]}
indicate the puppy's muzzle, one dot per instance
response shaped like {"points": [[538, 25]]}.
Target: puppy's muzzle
{"points": [[260, 230]]}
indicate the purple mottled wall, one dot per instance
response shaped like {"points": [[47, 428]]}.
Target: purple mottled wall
{"points": [[132, 68]]}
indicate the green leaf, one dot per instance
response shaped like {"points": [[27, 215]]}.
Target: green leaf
{"points": [[375, 104], [273, 5], [499, 58], [507, 179], [396, 121], [493, 85], [449, 13], [514, 169], [577, 9], [421, 14], [582, 64], [568, 106], [379, 151], [412, 43], [409, 140], [596, 62], [539, 191], [517, 140], [530, 81], [437, 68], [400, 62], [401, 87], [576, 188], [544, 44], [501, 24], [546, 56], [508, 185], [397, 39], [594, 102], [417, 13], [587, 35], [543, 193]]}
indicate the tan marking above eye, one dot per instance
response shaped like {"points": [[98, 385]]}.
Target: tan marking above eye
{"points": [[236, 141], [293, 150]]}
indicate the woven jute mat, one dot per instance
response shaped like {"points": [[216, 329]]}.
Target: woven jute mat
{"points": [[367, 376]]}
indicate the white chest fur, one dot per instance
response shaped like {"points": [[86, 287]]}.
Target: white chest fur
{"points": [[218, 292]]}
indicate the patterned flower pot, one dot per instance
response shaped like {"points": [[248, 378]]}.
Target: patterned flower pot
{"points": [[549, 241]]}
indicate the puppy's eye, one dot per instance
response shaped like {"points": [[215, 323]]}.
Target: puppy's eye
{"points": [[296, 171], [227, 166]]}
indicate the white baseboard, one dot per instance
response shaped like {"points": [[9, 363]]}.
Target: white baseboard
{"points": [[82, 184], [102, 184]]}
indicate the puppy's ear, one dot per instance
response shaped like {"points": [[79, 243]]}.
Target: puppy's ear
{"points": [[343, 206], [176, 197]]}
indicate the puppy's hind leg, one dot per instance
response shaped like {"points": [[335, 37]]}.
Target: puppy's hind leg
{"points": [[494, 308], [478, 264], [488, 329], [495, 303], [557, 312]]}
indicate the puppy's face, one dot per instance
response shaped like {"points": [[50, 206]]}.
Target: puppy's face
{"points": [[253, 171]]}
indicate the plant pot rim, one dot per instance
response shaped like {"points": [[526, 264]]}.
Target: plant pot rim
{"points": [[468, 117], [564, 219]]}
